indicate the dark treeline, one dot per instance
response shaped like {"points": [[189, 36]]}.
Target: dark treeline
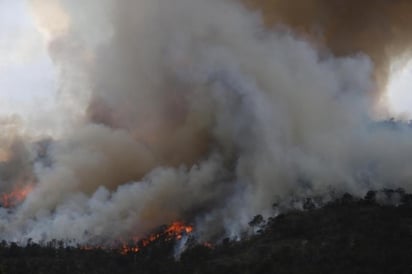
{"points": [[348, 235]]}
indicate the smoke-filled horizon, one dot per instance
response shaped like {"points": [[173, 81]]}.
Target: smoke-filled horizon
{"points": [[190, 110]]}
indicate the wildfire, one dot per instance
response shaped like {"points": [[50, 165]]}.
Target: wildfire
{"points": [[178, 229], [15, 197], [175, 231]]}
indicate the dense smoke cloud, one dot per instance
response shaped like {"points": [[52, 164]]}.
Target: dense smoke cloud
{"points": [[380, 28], [194, 110], [16, 159]]}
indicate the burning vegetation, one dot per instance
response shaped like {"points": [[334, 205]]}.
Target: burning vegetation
{"points": [[194, 109], [348, 235], [174, 232], [164, 234], [15, 197]]}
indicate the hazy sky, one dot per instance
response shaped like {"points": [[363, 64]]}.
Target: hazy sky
{"points": [[27, 77]]}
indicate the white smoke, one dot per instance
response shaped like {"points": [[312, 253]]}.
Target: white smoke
{"points": [[193, 110]]}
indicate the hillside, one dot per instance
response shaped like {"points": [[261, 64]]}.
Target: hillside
{"points": [[346, 236]]}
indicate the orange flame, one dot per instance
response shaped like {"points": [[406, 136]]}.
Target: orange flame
{"points": [[178, 229], [15, 197], [175, 231]]}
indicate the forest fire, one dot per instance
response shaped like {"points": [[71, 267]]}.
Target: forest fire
{"points": [[15, 197], [175, 231], [178, 229]]}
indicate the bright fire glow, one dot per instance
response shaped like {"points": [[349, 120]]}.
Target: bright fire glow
{"points": [[15, 197], [173, 232]]}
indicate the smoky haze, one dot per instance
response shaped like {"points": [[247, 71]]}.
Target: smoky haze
{"points": [[381, 29], [194, 110]]}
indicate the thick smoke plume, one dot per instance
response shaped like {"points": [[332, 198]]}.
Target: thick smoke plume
{"points": [[193, 110], [380, 28]]}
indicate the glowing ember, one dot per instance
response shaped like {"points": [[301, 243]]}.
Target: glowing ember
{"points": [[173, 232], [15, 197], [177, 229], [208, 245]]}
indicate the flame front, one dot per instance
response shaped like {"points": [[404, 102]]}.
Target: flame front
{"points": [[178, 229], [15, 197], [175, 231]]}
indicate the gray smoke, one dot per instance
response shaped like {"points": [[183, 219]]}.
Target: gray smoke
{"points": [[16, 156], [380, 28], [192, 110]]}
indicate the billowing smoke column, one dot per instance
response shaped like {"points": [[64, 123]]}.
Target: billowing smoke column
{"points": [[192, 110], [380, 28]]}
